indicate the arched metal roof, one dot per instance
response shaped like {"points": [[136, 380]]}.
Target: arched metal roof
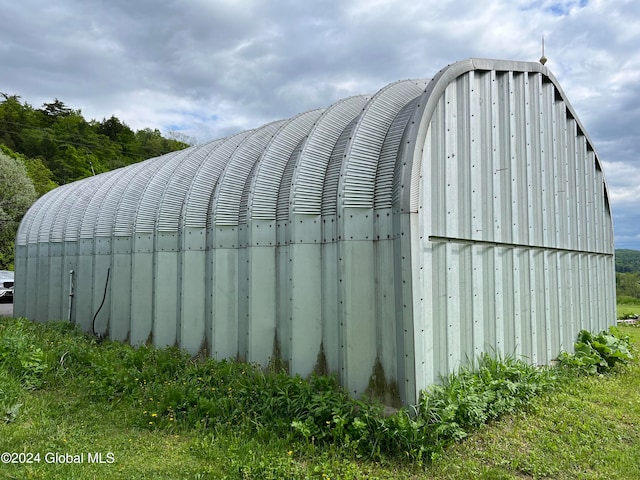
{"points": [[399, 231]]}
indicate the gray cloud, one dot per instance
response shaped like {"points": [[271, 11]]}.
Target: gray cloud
{"points": [[213, 67]]}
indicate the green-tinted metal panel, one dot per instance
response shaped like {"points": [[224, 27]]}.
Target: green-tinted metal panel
{"points": [[192, 298], [261, 303], [58, 276], [165, 298], [225, 303], [306, 306], [44, 280], [121, 290], [31, 289], [21, 284], [142, 295], [356, 296], [83, 297]]}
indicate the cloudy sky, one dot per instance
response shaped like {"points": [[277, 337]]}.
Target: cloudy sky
{"points": [[208, 68]]}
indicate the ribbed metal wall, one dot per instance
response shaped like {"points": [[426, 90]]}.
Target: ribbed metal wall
{"points": [[386, 238]]}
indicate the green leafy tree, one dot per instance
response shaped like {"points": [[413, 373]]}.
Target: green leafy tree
{"points": [[17, 194], [70, 147], [627, 261], [39, 174]]}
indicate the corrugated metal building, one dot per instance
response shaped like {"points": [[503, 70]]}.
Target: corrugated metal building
{"points": [[386, 238]]}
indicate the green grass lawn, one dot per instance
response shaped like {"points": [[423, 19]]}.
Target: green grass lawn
{"points": [[587, 428], [626, 309]]}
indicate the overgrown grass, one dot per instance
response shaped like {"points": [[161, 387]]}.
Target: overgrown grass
{"points": [[165, 415]]}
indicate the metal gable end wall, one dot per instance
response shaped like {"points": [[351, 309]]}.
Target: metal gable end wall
{"points": [[511, 242]]}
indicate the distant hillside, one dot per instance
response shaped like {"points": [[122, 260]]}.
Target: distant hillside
{"points": [[627, 261]]}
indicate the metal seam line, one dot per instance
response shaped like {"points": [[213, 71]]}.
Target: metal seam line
{"points": [[470, 241]]}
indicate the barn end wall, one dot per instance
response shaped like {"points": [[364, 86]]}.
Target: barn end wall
{"points": [[513, 246], [385, 239]]}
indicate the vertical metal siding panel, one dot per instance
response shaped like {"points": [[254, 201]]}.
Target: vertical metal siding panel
{"points": [[465, 86], [193, 289], [499, 171], [566, 288], [451, 253], [562, 185], [563, 237], [225, 334], [538, 301], [386, 335], [534, 206], [306, 306], [57, 277], [520, 133], [581, 191], [479, 151], [355, 269], [83, 298], [556, 301], [121, 289], [330, 317], [596, 193], [102, 285], [513, 330], [572, 184], [423, 331], [528, 344], [549, 210], [598, 198], [42, 301], [142, 295], [20, 285], [31, 310], [283, 274], [244, 330]]}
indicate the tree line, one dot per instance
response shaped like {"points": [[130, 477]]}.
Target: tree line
{"points": [[42, 148], [627, 275]]}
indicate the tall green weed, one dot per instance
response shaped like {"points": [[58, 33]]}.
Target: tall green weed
{"points": [[598, 353]]}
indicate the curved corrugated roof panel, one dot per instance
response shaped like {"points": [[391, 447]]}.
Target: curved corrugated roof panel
{"points": [[266, 183], [228, 194], [178, 188], [147, 210], [363, 150], [315, 152], [198, 201], [129, 202]]}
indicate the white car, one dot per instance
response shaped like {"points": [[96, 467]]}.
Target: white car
{"points": [[6, 285]]}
